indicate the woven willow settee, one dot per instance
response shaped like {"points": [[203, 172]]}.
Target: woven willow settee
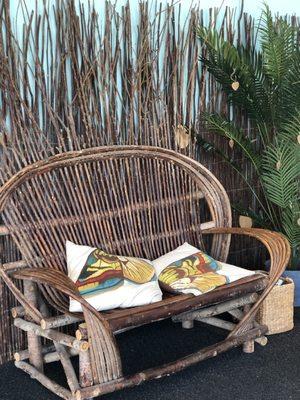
{"points": [[129, 200]]}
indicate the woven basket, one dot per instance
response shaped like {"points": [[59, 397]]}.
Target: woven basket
{"points": [[277, 310]]}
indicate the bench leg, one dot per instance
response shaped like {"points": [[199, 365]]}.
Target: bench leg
{"points": [[85, 371], [188, 324], [85, 367], [248, 347], [34, 341]]}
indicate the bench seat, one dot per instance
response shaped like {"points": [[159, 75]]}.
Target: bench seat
{"points": [[171, 305]]}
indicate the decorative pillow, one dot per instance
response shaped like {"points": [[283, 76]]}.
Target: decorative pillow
{"points": [[194, 274], [108, 281], [180, 271], [167, 259]]}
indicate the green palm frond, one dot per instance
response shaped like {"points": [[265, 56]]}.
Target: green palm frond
{"points": [[211, 148], [291, 92], [281, 173], [228, 62], [291, 129], [281, 60], [222, 126], [290, 224], [269, 95], [278, 42]]}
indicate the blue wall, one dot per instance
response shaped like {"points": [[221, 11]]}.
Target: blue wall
{"points": [[251, 6]]}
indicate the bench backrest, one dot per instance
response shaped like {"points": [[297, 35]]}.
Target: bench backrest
{"points": [[129, 200]]}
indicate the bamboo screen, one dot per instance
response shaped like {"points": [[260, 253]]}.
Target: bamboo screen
{"points": [[71, 78]]}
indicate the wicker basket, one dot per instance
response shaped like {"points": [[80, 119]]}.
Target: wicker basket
{"points": [[277, 310]]}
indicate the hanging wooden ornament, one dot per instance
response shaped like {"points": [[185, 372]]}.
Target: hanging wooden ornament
{"points": [[245, 222], [235, 85], [278, 165], [182, 136], [231, 143]]}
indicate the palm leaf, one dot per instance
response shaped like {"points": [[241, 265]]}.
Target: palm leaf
{"points": [[226, 62], [220, 125], [291, 227], [278, 42], [281, 59], [281, 172], [210, 147], [290, 129]]}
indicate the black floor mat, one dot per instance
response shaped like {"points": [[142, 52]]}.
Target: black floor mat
{"points": [[271, 373]]}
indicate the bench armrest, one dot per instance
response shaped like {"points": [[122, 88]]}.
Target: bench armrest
{"points": [[99, 332], [30, 308], [279, 250], [60, 282]]}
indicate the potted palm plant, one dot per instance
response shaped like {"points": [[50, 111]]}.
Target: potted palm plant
{"points": [[263, 81]]}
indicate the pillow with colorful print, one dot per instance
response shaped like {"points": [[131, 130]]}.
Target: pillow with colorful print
{"points": [[109, 281], [189, 270]]}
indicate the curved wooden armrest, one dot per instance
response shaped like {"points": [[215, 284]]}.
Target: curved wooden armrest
{"points": [[30, 309], [277, 245], [103, 350], [280, 252], [59, 281]]}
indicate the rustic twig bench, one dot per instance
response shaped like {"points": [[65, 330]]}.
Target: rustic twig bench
{"points": [[133, 200]]}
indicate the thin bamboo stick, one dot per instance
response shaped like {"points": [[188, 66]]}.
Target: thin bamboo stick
{"points": [[58, 321], [48, 383], [64, 357], [217, 309], [3, 230], [57, 336]]}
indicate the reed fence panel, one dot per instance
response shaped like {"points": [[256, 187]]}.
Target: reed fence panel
{"points": [[71, 78]]}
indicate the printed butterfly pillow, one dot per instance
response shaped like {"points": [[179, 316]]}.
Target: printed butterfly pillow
{"points": [[189, 270], [109, 281]]}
